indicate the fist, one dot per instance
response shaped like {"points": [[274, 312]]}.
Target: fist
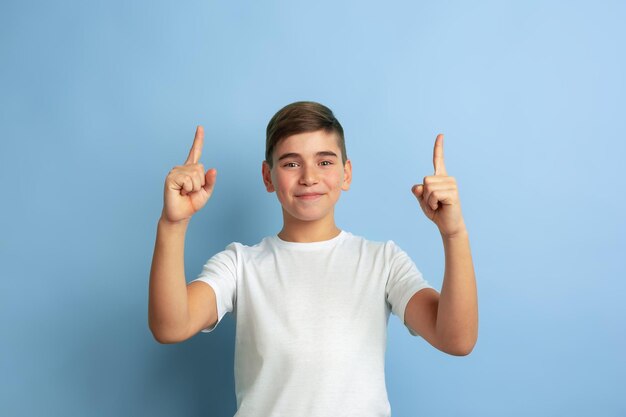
{"points": [[188, 187]]}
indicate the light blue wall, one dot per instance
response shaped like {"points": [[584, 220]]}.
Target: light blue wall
{"points": [[99, 100]]}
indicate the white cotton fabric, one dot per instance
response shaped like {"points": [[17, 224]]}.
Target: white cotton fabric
{"points": [[311, 322]]}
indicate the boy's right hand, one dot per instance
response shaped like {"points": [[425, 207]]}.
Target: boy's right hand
{"points": [[188, 187]]}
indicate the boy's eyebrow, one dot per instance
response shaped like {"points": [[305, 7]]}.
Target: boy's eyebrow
{"points": [[297, 155]]}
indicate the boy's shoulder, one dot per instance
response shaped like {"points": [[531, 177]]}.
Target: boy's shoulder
{"points": [[386, 246]]}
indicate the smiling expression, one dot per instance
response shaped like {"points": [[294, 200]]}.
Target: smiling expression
{"points": [[308, 176]]}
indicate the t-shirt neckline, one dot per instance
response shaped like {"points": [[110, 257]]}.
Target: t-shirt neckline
{"points": [[310, 245]]}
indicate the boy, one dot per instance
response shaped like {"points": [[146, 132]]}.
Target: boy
{"points": [[312, 302]]}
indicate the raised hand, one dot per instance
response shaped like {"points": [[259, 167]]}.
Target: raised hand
{"points": [[438, 196], [188, 187]]}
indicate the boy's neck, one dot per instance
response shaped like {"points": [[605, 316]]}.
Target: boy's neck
{"points": [[299, 231]]}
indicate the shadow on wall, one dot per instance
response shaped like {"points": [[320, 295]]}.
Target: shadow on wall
{"points": [[110, 364], [199, 372]]}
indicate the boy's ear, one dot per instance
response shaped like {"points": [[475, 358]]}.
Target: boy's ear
{"points": [[267, 177], [347, 175]]}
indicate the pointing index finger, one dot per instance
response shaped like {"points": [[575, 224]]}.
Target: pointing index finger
{"points": [[440, 167], [196, 148]]}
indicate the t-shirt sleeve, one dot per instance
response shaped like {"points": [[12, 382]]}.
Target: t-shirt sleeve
{"points": [[403, 282], [220, 272]]}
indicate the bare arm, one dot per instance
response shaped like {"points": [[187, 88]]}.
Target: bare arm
{"points": [[457, 316], [449, 321], [177, 311]]}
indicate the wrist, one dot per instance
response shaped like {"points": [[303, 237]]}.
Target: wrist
{"points": [[164, 222], [458, 234]]}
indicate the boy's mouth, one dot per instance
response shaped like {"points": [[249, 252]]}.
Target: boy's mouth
{"points": [[309, 196]]}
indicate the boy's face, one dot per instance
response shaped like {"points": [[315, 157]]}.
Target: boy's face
{"points": [[308, 175]]}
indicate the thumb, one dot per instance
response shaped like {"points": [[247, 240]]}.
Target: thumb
{"points": [[209, 180], [418, 191]]}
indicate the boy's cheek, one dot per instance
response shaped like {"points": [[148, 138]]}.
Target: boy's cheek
{"points": [[340, 180]]}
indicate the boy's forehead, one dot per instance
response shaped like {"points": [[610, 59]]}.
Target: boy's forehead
{"points": [[308, 142]]}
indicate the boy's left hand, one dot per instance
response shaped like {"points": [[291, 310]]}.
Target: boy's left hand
{"points": [[439, 198]]}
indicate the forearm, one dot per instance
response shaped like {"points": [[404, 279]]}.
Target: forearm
{"points": [[457, 314], [168, 313]]}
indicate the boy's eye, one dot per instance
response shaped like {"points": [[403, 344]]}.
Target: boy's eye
{"points": [[326, 163], [291, 165]]}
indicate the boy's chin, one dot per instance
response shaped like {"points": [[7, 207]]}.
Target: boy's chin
{"points": [[304, 217]]}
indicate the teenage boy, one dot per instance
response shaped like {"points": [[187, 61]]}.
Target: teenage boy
{"points": [[311, 303]]}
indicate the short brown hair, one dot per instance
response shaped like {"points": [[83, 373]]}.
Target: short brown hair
{"points": [[300, 117]]}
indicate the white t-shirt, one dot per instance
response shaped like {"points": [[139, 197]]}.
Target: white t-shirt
{"points": [[311, 322]]}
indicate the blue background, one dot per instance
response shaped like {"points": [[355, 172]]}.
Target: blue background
{"points": [[99, 100]]}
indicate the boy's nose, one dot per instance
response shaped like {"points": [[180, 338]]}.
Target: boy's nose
{"points": [[308, 177]]}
